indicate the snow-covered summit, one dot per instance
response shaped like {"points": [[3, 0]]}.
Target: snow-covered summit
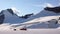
{"points": [[16, 11], [12, 16]]}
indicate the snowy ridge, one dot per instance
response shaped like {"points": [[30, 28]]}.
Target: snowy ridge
{"points": [[15, 11], [11, 17]]}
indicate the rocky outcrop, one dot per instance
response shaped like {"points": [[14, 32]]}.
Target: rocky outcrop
{"points": [[11, 11], [53, 9], [27, 16]]}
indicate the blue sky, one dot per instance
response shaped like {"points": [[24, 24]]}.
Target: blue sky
{"points": [[28, 6]]}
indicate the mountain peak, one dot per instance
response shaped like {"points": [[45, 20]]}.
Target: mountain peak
{"points": [[11, 11], [16, 11]]}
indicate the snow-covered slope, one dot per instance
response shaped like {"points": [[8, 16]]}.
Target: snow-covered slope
{"points": [[33, 31], [11, 17], [17, 12], [45, 16], [46, 12]]}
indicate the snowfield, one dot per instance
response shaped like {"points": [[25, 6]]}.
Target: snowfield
{"points": [[32, 31], [6, 29]]}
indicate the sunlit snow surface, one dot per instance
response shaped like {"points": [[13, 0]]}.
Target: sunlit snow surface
{"points": [[32, 31], [6, 29]]}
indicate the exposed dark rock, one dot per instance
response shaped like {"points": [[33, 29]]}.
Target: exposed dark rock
{"points": [[27, 16], [2, 18], [11, 11], [23, 29], [56, 21], [14, 29], [53, 9], [59, 18]]}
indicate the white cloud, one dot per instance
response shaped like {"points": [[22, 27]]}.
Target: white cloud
{"points": [[44, 5], [39, 5], [49, 5], [16, 11]]}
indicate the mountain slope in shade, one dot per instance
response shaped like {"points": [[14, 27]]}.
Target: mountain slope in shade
{"points": [[12, 16]]}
